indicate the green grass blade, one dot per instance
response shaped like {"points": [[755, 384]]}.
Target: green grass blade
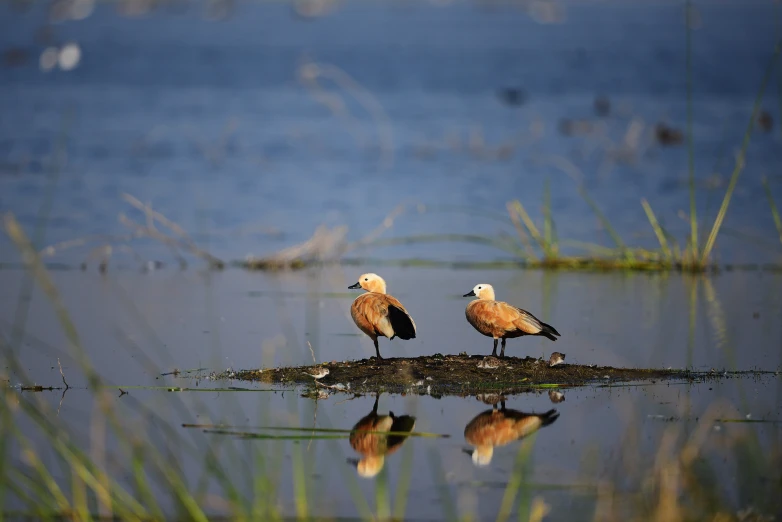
{"points": [[263, 436], [533, 230], [523, 236], [739, 160], [448, 503], [547, 221], [144, 492], [403, 484], [382, 500], [316, 430], [514, 483], [690, 143], [774, 210], [658, 231], [299, 482]]}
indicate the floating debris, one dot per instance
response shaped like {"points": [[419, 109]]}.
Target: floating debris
{"points": [[668, 135], [513, 96], [765, 121]]}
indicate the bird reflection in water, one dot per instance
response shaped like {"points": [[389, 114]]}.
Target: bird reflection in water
{"points": [[498, 427], [371, 440]]}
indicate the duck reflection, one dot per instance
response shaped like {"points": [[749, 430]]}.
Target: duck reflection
{"points": [[498, 427], [369, 438]]}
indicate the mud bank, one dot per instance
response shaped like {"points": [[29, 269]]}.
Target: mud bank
{"points": [[461, 374]]}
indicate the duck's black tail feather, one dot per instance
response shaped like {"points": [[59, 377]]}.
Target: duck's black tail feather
{"points": [[401, 323], [549, 417], [549, 331]]}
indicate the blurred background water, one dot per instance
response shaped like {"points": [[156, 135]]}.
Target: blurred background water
{"points": [[252, 123], [236, 127]]}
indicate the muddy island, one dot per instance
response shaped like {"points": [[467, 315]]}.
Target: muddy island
{"points": [[464, 374]]}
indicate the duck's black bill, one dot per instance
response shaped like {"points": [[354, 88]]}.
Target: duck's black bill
{"points": [[471, 294], [353, 287]]}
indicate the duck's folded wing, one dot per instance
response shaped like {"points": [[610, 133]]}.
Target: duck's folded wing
{"points": [[401, 322], [523, 320]]}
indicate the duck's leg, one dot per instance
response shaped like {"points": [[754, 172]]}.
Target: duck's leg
{"points": [[502, 351], [494, 352], [377, 348]]}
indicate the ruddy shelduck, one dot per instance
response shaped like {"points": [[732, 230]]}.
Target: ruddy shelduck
{"points": [[495, 428], [370, 439], [500, 320], [377, 313]]}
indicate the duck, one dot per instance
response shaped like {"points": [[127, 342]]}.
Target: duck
{"points": [[499, 427], [379, 314], [370, 439], [500, 320]]}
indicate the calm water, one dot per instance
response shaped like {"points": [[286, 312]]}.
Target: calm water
{"points": [[211, 123], [135, 327]]}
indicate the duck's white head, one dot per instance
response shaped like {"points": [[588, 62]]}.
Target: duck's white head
{"points": [[482, 291], [370, 465], [481, 455], [371, 283]]}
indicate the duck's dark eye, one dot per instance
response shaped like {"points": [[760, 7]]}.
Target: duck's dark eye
{"points": [[366, 279]]}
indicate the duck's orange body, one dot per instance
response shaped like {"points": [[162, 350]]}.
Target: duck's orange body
{"points": [[500, 427], [370, 439], [500, 320], [379, 314]]}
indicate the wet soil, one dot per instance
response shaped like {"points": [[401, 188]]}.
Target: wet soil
{"points": [[460, 374]]}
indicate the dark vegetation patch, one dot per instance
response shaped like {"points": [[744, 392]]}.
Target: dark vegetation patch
{"points": [[460, 374]]}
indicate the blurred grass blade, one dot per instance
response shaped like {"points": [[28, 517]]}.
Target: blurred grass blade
{"points": [[523, 236], [448, 503], [740, 159], [658, 231], [773, 205], [403, 484], [533, 230], [690, 139], [514, 482], [548, 227]]}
